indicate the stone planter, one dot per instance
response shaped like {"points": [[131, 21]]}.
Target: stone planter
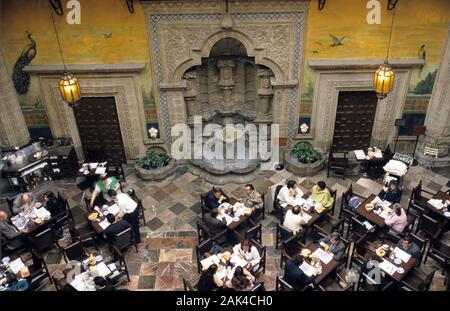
{"points": [[300, 169], [156, 174]]}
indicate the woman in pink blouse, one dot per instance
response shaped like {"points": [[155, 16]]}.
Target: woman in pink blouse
{"points": [[396, 220]]}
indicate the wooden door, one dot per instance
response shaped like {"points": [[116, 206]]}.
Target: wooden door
{"points": [[354, 120], [99, 129]]}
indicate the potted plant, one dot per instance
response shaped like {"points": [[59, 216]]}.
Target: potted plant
{"points": [[155, 165], [303, 159]]}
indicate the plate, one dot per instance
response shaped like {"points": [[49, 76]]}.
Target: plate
{"points": [[380, 252], [400, 270], [37, 204], [38, 220], [92, 216], [81, 170], [99, 258], [447, 214], [385, 247], [397, 261], [86, 172], [235, 218]]}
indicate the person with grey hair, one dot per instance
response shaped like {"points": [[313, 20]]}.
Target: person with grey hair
{"points": [[22, 202], [396, 220], [335, 245], [8, 233]]}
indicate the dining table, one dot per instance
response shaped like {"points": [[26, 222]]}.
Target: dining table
{"points": [[393, 256], [31, 218], [100, 223], [440, 211], [371, 216], [241, 219], [327, 267], [311, 212]]}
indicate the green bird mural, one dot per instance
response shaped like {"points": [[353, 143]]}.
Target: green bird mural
{"points": [[21, 79], [422, 53], [336, 41]]}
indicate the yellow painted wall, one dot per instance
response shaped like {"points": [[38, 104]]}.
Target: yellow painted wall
{"points": [[110, 34]]}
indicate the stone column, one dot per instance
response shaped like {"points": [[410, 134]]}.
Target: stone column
{"points": [[13, 129], [438, 114], [281, 108], [176, 104], [265, 91], [190, 96]]}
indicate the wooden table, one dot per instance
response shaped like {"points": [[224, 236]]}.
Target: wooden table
{"points": [[370, 216], [32, 225], [326, 268], [407, 266], [438, 196], [242, 218], [315, 216], [94, 223], [92, 174]]}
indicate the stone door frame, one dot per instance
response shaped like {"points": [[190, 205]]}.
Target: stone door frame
{"points": [[331, 77], [118, 81]]}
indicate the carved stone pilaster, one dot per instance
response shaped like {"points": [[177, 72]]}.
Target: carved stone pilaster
{"points": [[265, 91], [13, 129], [438, 115], [190, 96], [226, 82]]}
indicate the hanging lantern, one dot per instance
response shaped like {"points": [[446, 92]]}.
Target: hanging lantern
{"points": [[69, 87], [383, 80]]}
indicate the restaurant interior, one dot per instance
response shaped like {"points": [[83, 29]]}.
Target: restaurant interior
{"points": [[355, 192]]}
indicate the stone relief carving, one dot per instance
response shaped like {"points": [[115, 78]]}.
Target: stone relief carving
{"points": [[265, 91]]}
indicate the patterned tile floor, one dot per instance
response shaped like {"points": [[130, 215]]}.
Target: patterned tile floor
{"points": [[167, 251]]}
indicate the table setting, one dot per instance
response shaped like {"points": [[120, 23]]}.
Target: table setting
{"points": [[232, 213], [394, 260], [31, 216], [15, 266], [92, 266]]}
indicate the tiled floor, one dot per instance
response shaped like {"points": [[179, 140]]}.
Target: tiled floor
{"points": [[167, 251]]}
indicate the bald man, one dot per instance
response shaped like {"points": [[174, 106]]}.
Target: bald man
{"points": [[22, 201], [8, 233]]}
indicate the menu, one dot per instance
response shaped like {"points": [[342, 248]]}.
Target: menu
{"points": [[404, 256], [113, 209], [323, 255], [102, 269], [16, 265], [208, 261], [104, 224], [388, 267], [360, 155], [308, 269]]}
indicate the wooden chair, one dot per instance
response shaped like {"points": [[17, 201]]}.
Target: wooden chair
{"points": [[338, 165], [124, 239], [282, 234], [66, 206], [259, 213], [75, 251], [191, 286], [258, 287], [420, 197], [262, 263], [116, 170], [358, 230], [44, 240], [205, 208], [84, 233], [333, 194], [200, 251], [346, 213], [429, 227], [38, 272], [140, 206], [121, 267], [328, 224], [440, 252], [203, 233], [277, 209], [418, 280], [290, 247], [254, 234], [282, 286]]}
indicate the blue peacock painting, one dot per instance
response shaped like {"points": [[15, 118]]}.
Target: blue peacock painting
{"points": [[21, 79]]}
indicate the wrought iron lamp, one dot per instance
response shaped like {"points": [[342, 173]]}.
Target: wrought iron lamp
{"points": [[384, 76], [69, 87]]}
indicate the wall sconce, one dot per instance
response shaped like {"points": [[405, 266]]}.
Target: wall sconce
{"points": [[130, 6], [391, 4], [304, 128], [57, 7], [153, 133], [322, 4]]}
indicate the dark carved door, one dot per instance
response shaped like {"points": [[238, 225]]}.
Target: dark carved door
{"points": [[99, 129], [354, 120]]}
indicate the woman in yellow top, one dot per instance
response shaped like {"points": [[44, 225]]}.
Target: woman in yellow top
{"points": [[321, 194]]}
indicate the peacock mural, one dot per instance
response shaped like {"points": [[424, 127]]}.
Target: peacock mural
{"points": [[21, 79]]}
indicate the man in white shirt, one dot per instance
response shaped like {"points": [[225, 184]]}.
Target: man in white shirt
{"points": [[128, 209], [294, 219], [290, 194]]}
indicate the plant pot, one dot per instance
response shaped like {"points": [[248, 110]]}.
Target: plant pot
{"points": [[294, 166], [155, 174]]}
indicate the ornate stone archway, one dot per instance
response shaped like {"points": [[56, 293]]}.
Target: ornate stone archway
{"points": [[182, 32]]}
